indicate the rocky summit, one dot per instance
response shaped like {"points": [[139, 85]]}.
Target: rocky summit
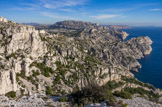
{"points": [[64, 58]]}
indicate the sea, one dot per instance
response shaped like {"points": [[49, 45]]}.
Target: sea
{"points": [[151, 71]]}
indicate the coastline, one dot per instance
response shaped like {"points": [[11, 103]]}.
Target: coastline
{"points": [[150, 70]]}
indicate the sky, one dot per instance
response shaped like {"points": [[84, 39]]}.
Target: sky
{"points": [[105, 12]]}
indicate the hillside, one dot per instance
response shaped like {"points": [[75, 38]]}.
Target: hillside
{"points": [[69, 56]]}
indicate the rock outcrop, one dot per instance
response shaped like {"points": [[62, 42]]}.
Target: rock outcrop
{"points": [[66, 57], [2, 19], [143, 44]]}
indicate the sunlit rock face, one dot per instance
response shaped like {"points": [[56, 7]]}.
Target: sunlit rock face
{"points": [[2, 19], [67, 56]]}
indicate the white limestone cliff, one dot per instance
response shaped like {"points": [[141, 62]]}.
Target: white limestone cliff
{"points": [[22, 47], [2, 19]]}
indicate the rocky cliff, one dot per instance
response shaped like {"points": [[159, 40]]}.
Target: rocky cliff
{"points": [[92, 53], [65, 57], [18, 43]]}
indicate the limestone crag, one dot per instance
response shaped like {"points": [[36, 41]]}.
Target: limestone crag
{"points": [[67, 56], [2, 19], [124, 35], [143, 44], [17, 40]]}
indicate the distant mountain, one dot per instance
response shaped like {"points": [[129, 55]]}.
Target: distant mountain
{"points": [[118, 26], [33, 24], [70, 24]]}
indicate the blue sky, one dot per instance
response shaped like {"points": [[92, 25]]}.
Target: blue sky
{"points": [[130, 12]]}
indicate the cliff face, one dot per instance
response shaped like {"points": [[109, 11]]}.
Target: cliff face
{"points": [[66, 57], [18, 43]]}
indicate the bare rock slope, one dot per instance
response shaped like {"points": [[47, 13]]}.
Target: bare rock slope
{"points": [[65, 57]]}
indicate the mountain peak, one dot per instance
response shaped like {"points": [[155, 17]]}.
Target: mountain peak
{"points": [[74, 24]]}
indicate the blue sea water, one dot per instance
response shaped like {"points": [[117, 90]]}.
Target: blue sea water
{"points": [[151, 71]]}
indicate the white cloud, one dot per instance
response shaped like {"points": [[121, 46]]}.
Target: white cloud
{"points": [[105, 16], [57, 16], [67, 10], [27, 6], [117, 10], [155, 9], [50, 4], [53, 4]]}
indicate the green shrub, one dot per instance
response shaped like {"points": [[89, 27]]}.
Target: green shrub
{"points": [[61, 68], [123, 94], [22, 56], [45, 70], [46, 74], [48, 90], [124, 105], [17, 78], [21, 74], [31, 57], [31, 79], [11, 94], [151, 95], [42, 38], [22, 91], [74, 77], [130, 58], [36, 73], [135, 81], [92, 94], [91, 59], [63, 99], [112, 85], [11, 55], [1, 66], [58, 64], [57, 79]]}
